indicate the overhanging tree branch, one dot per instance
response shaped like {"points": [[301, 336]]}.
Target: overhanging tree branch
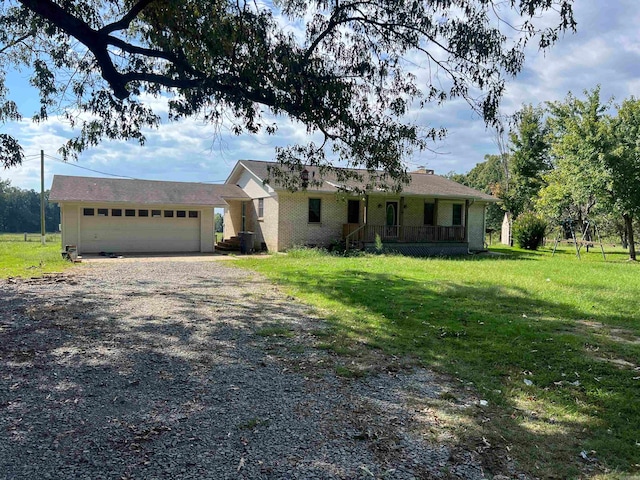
{"points": [[346, 79]]}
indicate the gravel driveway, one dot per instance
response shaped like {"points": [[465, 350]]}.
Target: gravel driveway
{"points": [[200, 370]]}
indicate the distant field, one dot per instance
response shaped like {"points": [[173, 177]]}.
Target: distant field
{"points": [[20, 258]]}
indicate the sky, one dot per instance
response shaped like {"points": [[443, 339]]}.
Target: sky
{"points": [[605, 51]]}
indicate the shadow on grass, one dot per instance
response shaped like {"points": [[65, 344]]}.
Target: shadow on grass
{"points": [[497, 337], [612, 254]]}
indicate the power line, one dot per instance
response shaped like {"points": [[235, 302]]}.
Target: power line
{"points": [[59, 160]]}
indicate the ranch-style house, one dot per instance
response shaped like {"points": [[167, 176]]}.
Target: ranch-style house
{"points": [[431, 216]]}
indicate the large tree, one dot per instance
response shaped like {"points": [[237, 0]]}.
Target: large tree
{"points": [[580, 140], [596, 160], [624, 167], [529, 159], [341, 67]]}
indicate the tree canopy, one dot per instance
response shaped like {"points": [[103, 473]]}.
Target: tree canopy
{"points": [[596, 160], [344, 68], [529, 160], [20, 210]]}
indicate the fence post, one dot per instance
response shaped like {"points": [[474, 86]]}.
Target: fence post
{"points": [[25, 236]]}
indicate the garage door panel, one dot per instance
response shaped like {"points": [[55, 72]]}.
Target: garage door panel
{"points": [[131, 235]]}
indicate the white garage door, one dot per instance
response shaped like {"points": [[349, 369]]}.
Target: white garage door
{"points": [[123, 234]]}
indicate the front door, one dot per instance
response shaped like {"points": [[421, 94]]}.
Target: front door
{"points": [[392, 220], [353, 211]]}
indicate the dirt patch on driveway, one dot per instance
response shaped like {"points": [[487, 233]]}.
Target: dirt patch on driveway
{"points": [[172, 369]]}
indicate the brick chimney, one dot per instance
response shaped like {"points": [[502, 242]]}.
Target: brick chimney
{"points": [[423, 170]]}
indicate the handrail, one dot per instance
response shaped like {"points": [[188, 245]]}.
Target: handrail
{"points": [[395, 233], [346, 239]]}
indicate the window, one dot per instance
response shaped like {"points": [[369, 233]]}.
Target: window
{"points": [[129, 212], [168, 213], [143, 213], [260, 207], [429, 213], [181, 213], [156, 213], [457, 214], [116, 212], [88, 212], [103, 212], [193, 214], [314, 210], [353, 211]]}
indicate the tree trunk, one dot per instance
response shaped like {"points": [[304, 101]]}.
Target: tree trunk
{"points": [[628, 222], [623, 238]]}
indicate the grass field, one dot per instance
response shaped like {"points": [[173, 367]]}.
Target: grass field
{"points": [[552, 343], [30, 259]]}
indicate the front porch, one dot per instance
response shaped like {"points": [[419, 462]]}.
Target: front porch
{"points": [[408, 240]]}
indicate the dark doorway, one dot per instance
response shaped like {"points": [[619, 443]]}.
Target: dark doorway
{"points": [[353, 211]]}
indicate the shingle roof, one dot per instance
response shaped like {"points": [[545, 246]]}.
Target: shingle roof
{"points": [[108, 190], [422, 184]]}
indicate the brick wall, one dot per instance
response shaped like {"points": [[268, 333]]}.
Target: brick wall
{"points": [[413, 214], [232, 218], [295, 228], [378, 214], [445, 212], [265, 227]]}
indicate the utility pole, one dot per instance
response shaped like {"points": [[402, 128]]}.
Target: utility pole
{"points": [[42, 224]]}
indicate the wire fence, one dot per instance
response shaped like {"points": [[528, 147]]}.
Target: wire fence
{"points": [[29, 237]]}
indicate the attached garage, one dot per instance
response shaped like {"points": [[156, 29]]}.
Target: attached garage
{"points": [[139, 216], [106, 232]]}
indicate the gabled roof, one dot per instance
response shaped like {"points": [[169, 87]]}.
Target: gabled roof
{"points": [[422, 184], [109, 190]]}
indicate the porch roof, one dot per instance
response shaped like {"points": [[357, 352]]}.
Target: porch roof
{"points": [[422, 184]]}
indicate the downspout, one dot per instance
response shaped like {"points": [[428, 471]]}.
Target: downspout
{"points": [[244, 218], [466, 223], [366, 209], [484, 226], [401, 219]]}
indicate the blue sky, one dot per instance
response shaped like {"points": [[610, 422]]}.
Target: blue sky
{"points": [[605, 51]]}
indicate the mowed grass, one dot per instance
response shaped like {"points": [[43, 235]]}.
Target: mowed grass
{"points": [[30, 259], [552, 343]]}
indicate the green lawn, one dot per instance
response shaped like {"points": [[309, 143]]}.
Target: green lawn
{"points": [[552, 343], [30, 259]]}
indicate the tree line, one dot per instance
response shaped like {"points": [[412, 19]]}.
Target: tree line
{"points": [[20, 210], [571, 162]]}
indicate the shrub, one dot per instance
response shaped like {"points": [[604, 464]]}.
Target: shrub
{"points": [[378, 244], [528, 231]]}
